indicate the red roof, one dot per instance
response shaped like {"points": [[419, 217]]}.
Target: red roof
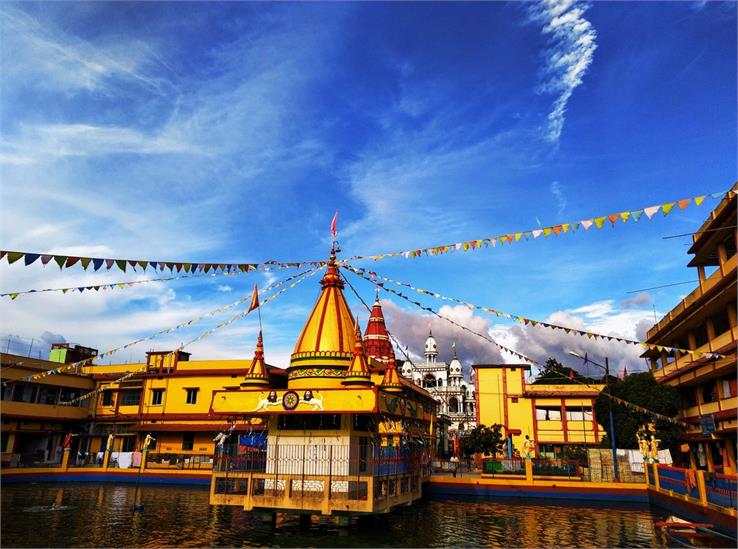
{"points": [[376, 339]]}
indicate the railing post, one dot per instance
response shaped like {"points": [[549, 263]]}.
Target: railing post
{"points": [[106, 459], [144, 457], [702, 488], [65, 459], [656, 482], [529, 470]]}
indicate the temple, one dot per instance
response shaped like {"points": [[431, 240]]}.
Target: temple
{"points": [[347, 435]]}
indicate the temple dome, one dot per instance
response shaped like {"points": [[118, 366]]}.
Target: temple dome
{"points": [[327, 339]]}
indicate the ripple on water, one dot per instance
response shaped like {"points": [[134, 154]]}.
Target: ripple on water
{"points": [[85, 515]]}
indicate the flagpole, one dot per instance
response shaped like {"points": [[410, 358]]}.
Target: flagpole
{"points": [[259, 311]]}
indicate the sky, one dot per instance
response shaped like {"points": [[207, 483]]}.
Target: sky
{"points": [[232, 132]]}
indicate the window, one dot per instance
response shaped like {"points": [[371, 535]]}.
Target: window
{"points": [[7, 390], [709, 392], [192, 396], [130, 398], [188, 440], [156, 396], [688, 397], [729, 387], [578, 413], [4, 442], [107, 399], [720, 322], [548, 413], [700, 336], [311, 422], [453, 405]]}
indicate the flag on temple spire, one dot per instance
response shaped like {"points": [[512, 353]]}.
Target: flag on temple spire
{"points": [[571, 374], [625, 372], [334, 225], [254, 299]]}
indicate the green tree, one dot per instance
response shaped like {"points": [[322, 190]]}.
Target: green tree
{"points": [[482, 440], [642, 390], [556, 373]]}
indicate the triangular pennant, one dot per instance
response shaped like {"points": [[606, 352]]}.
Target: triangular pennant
{"points": [[556, 229], [547, 231], [85, 262], [684, 203], [60, 260], [97, 263], [109, 263], [536, 233], [624, 216], [586, 223], [699, 200], [717, 195], [14, 256], [71, 261], [30, 258], [13, 296], [599, 221], [143, 264], [651, 211], [636, 215], [46, 258], [613, 218], [121, 263], [666, 208], [565, 227], [133, 263]]}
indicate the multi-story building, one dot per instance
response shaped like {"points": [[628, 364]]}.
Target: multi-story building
{"points": [[168, 397], [447, 383], [553, 416], [34, 423], [705, 321]]}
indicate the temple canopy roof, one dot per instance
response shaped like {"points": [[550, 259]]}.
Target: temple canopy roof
{"points": [[376, 339], [329, 330]]}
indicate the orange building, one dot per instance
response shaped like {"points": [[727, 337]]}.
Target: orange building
{"points": [[705, 321]]}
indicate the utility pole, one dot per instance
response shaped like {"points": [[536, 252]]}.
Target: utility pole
{"points": [[613, 441]]}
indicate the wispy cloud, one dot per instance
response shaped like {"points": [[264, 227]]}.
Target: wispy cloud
{"points": [[559, 196], [571, 46], [52, 58]]}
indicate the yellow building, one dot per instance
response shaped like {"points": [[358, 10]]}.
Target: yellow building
{"points": [[168, 398], [34, 424], [553, 416], [347, 435], [705, 321]]}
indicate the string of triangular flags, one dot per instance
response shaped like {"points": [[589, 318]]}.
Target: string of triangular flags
{"points": [[118, 285], [462, 327], [630, 405], [100, 389], [532, 322], [203, 335], [556, 230], [72, 366], [66, 261]]}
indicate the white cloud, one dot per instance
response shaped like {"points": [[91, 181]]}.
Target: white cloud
{"points": [[570, 52], [559, 196], [224, 288], [595, 310], [47, 57]]}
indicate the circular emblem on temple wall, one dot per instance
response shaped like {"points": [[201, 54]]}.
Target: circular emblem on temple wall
{"points": [[290, 400]]}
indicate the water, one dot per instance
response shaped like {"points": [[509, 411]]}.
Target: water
{"points": [[85, 515]]}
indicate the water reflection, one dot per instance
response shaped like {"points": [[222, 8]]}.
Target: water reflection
{"points": [[84, 515]]}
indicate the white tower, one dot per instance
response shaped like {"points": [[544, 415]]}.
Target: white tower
{"points": [[454, 369], [431, 348]]}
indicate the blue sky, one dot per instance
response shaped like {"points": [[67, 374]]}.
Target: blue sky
{"points": [[232, 132]]}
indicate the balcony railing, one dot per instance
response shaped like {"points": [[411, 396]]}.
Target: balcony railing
{"points": [[179, 461]]}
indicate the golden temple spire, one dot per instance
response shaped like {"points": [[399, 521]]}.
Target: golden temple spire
{"points": [[257, 376], [391, 380], [358, 372], [327, 339]]}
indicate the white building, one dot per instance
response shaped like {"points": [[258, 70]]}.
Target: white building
{"points": [[446, 382]]}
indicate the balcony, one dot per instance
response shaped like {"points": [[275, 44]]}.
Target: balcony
{"points": [[729, 268], [43, 411]]}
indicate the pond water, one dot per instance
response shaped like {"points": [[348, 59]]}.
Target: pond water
{"points": [[100, 515]]}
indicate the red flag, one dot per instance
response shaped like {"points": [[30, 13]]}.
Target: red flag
{"points": [[254, 299], [571, 374], [625, 372], [334, 223]]}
